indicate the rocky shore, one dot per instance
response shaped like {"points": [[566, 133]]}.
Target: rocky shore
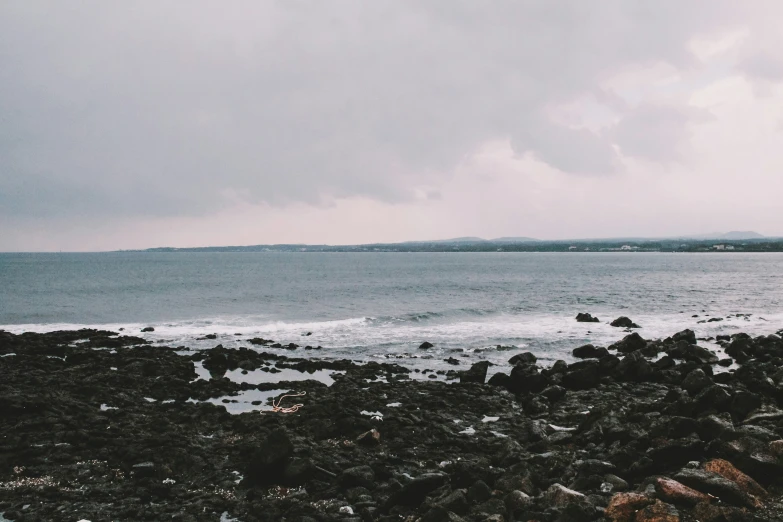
{"points": [[99, 426]]}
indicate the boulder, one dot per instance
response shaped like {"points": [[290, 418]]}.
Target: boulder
{"points": [[524, 358], [589, 351], [477, 373], [268, 461], [369, 438], [586, 318], [629, 343], [696, 381], [709, 482], [727, 470], [425, 345], [686, 335], [634, 367], [581, 375], [358, 476], [624, 322], [148, 329]]}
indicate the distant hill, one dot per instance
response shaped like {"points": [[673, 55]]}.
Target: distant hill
{"points": [[742, 235], [513, 239]]}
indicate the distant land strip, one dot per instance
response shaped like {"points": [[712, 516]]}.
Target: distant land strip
{"points": [[464, 245]]}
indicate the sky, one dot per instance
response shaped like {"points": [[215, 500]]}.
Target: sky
{"points": [[129, 125]]}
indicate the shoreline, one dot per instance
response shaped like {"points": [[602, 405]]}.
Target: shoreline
{"points": [[114, 428]]}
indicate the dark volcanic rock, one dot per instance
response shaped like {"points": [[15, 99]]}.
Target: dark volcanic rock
{"points": [[589, 351], [148, 329], [581, 375], [268, 461], [629, 343], [477, 373], [586, 318], [686, 335], [525, 358], [624, 322], [425, 345]]}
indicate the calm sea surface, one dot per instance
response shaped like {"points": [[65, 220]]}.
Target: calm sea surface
{"points": [[371, 305]]}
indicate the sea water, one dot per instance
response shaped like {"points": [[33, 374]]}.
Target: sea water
{"points": [[382, 306]]}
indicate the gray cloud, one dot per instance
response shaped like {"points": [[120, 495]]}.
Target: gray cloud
{"points": [[155, 108]]}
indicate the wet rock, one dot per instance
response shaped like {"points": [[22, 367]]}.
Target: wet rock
{"points": [[426, 345], [686, 335], [477, 373], [148, 329], [589, 351], [517, 501], [629, 343], [586, 318], [524, 358], [623, 506], [624, 322]]}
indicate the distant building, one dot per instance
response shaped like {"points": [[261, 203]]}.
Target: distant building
{"points": [[719, 247], [729, 247], [572, 248], [625, 247]]}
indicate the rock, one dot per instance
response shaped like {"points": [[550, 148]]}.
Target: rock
{"points": [[616, 482], [517, 501], [477, 373], [743, 403], [658, 512], [582, 375], [696, 381], [727, 470], [359, 476], [426, 345], [554, 393], [479, 492], [624, 322], [369, 438], [143, 469], [712, 512], [629, 343], [414, 492], [776, 448], [148, 329], [589, 351], [500, 379], [586, 318], [558, 495], [623, 506], [672, 491], [714, 484], [686, 335], [634, 367], [692, 352], [455, 502], [524, 358], [268, 461], [526, 379]]}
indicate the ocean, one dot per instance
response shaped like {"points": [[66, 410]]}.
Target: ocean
{"points": [[382, 306]]}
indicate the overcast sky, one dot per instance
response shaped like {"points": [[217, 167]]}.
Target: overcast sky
{"points": [[134, 124]]}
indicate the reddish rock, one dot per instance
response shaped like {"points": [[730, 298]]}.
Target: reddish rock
{"points": [[672, 491], [658, 512], [369, 438], [623, 506], [726, 469], [776, 448]]}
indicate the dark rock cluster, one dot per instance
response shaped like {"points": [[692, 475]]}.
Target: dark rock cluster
{"points": [[98, 426]]}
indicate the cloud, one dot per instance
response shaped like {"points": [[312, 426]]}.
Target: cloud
{"points": [[126, 110]]}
